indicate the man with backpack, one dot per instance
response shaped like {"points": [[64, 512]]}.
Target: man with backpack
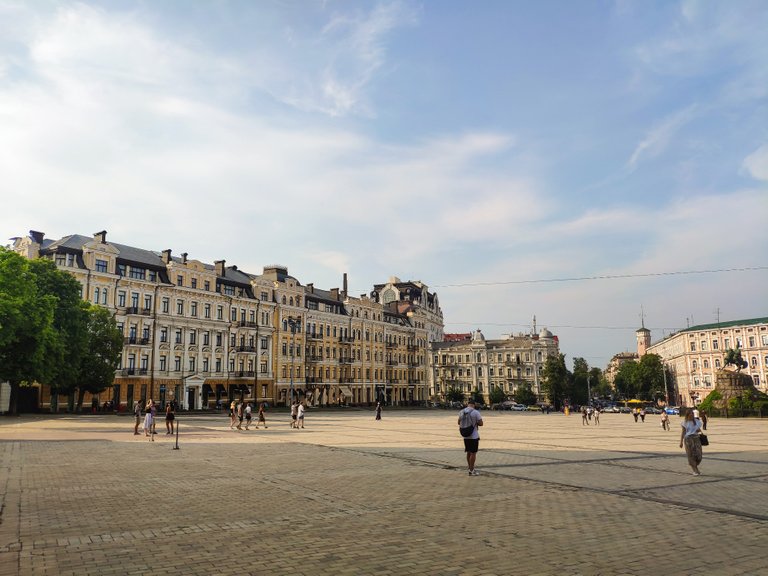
{"points": [[469, 420]]}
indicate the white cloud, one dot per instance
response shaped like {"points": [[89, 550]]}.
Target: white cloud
{"points": [[658, 138], [756, 164]]}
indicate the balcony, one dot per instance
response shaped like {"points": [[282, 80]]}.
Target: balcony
{"points": [[346, 360], [245, 349], [133, 340], [346, 339], [392, 363], [248, 324], [313, 358], [412, 347], [314, 380], [314, 336], [133, 372], [139, 311], [244, 374], [391, 345]]}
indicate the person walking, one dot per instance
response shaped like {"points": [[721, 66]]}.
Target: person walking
{"points": [[262, 416], [137, 416], [378, 410], [584, 416], [664, 420], [294, 413], [689, 436], [170, 416], [232, 415], [596, 416], [148, 418], [703, 417], [635, 413], [470, 417], [300, 414], [239, 412], [642, 414], [248, 410]]}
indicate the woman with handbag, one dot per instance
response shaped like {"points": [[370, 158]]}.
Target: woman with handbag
{"points": [[690, 437]]}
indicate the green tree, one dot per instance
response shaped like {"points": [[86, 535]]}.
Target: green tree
{"points": [[525, 395], [69, 342], [580, 381], [105, 343], [26, 326], [600, 386], [650, 377], [626, 380], [454, 395], [496, 395], [556, 380]]}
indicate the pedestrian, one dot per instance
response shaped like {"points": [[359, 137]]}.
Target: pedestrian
{"points": [[470, 417], [642, 414], [690, 437], [148, 418], [635, 413], [262, 416], [590, 410], [232, 415], [294, 413], [239, 411], [584, 421], [596, 416], [170, 416], [378, 410], [248, 410], [664, 420], [137, 417], [300, 414], [703, 417]]}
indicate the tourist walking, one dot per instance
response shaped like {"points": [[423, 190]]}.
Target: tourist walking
{"points": [[642, 414], [584, 417], [239, 411], [596, 416], [148, 419], [294, 413], [470, 417], [170, 416], [378, 410], [137, 417], [232, 414], [300, 414], [262, 416], [664, 420], [703, 417], [635, 413], [689, 436], [248, 410]]}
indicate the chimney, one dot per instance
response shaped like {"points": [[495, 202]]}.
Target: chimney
{"points": [[335, 293], [344, 285], [101, 236], [37, 237], [311, 288], [219, 264], [183, 257], [166, 256]]}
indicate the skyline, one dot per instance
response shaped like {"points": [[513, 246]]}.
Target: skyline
{"points": [[498, 143]]}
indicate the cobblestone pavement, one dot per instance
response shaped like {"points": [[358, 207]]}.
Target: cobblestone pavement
{"points": [[348, 495]]}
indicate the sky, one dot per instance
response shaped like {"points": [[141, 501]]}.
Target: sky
{"points": [[497, 151]]}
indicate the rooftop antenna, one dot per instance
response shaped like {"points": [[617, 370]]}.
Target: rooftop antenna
{"points": [[534, 323], [718, 314], [642, 316]]}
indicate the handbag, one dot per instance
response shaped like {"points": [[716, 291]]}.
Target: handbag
{"points": [[704, 440]]}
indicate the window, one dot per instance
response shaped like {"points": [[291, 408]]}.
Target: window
{"points": [[263, 343], [228, 290], [207, 311], [180, 307], [727, 343], [121, 299], [706, 363], [218, 364], [138, 273], [205, 364], [104, 296], [219, 312], [101, 265], [194, 282], [96, 295], [121, 269], [163, 334], [177, 363], [703, 345], [147, 302], [693, 346], [714, 345], [233, 314], [135, 299], [764, 338], [717, 363], [192, 364], [206, 338], [178, 336], [193, 336], [753, 361], [152, 276], [179, 280], [193, 310], [207, 286], [694, 365], [751, 341], [166, 304], [264, 296], [163, 363]]}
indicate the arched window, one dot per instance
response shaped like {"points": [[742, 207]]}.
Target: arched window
{"points": [[706, 363], [291, 301], [694, 365], [283, 299]]}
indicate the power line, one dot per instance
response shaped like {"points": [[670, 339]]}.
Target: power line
{"points": [[556, 326], [603, 277]]}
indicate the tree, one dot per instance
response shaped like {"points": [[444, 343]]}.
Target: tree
{"points": [[626, 380], [580, 381], [70, 316], [26, 326], [650, 377], [556, 380], [454, 395], [496, 395], [105, 343], [600, 386], [525, 395]]}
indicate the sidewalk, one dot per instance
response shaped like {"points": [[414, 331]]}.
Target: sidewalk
{"points": [[349, 495]]}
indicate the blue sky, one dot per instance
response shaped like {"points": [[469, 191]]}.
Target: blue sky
{"points": [[451, 142]]}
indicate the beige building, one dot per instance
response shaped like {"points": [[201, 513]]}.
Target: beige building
{"points": [[480, 364], [643, 336], [694, 355], [205, 334]]}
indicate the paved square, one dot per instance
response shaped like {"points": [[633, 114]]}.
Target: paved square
{"points": [[349, 495]]}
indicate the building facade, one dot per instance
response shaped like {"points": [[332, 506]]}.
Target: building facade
{"points": [[480, 364], [693, 356], [205, 334]]}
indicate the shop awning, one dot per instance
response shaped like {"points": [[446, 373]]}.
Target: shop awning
{"points": [[220, 390], [345, 391], [207, 390]]}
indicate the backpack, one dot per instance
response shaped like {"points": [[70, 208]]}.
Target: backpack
{"points": [[467, 430]]}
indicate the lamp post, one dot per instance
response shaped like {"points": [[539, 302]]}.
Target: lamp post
{"points": [[294, 324], [589, 393]]}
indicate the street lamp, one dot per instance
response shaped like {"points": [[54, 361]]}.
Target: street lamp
{"points": [[295, 324]]}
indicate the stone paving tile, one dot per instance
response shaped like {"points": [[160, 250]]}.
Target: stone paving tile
{"points": [[347, 496]]}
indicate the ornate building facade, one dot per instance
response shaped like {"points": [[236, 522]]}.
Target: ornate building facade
{"points": [[480, 364], [204, 334]]}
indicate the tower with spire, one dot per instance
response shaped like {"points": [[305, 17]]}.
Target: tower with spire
{"points": [[643, 336]]}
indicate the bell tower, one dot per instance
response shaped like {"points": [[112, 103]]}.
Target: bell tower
{"points": [[643, 336]]}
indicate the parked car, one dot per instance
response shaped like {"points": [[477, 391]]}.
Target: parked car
{"points": [[518, 407], [625, 409], [612, 408], [652, 410], [534, 408], [672, 410]]}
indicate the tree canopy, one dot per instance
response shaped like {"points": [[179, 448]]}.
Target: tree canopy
{"points": [[643, 380], [556, 380]]}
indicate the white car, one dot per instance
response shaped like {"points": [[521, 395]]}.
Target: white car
{"points": [[518, 407]]}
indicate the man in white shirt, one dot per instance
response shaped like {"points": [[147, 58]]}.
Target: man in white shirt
{"points": [[469, 416]]}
